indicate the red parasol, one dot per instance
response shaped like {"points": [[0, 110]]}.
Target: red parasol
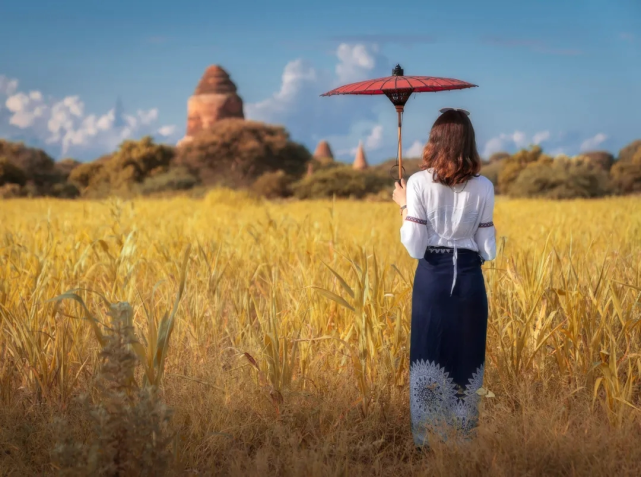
{"points": [[398, 88]]}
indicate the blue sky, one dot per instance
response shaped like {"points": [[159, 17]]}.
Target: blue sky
{"points": [[565, 74]]}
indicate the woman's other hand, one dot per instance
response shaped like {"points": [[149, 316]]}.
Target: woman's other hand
{"points": [[399, 196]]}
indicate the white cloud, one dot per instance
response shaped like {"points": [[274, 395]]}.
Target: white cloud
{"points": [[593, 142], [167, 131], [7, 86], [63, 128], [340, 119], [555, 144], [496, 144], [147, 117], [517, 139], [375, 139], [540, 137], [344, 120], [355, 62], [415, 150], [298, 77], [25, 108]]}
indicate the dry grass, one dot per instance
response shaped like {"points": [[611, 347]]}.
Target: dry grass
{"points": [[268, 375]]}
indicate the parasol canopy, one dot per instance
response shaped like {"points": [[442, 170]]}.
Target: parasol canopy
{"points": [[398, 88], [393, 84]]}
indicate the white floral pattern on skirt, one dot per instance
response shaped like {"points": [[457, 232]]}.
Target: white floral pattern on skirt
{"points": [[435, 401]]}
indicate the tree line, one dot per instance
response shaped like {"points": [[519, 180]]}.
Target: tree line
{"points": [[262, 158]]}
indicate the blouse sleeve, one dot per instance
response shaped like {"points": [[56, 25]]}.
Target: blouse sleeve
{"points": [[485, 235], [414, 229]]}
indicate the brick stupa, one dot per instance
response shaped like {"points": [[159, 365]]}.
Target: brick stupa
{"points": [[323, 150], [215, 98], [360, 162]]}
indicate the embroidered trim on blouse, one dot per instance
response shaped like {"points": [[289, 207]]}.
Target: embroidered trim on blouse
{"points": [[416, 220], [431, 249], [439, 250], [486, 224]]}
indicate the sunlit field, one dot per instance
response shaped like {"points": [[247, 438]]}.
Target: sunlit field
{"points": [[278, 334]]}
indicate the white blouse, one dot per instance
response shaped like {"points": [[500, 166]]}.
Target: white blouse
{"points": [[456, 217]]}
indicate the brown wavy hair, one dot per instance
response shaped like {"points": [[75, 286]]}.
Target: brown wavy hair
{"points": [[451, 150]]}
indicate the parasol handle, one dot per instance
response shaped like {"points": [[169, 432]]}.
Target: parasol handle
{"points": [[399, 111]]}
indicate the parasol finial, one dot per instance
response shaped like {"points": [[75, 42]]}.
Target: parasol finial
{"points": [[397, 71]]}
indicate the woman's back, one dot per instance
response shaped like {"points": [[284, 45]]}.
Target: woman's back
{"points": [[443, 216]]}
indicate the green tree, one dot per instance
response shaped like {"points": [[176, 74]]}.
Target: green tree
{"points": [[498, 157], [626, 175], [628, 152], [236, 152], [65, 166], [492, 171], [36, 165], [272, 185], [602, 159], [560, 178], [10, 173], [513, 166], [88, 174], [123, 171], [411, 166], [341, 181], [175, 179]]}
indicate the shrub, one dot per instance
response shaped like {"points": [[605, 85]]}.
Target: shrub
{"points": [[626, 175], [65, 167], [121, 172], [383, 195], [64, 190], [602, 159], [30, 189], [130, 423], [342, 182], [32, 161], [316, 164], [272, 185], [135, 161], [562, 179], [628, 152], [236, 152], [88, 173], [177, 178], [498, 157], [10, 173], [513, 166], [388, 168], [507, 175], [30, 167], [491, 171], [9, 191]]}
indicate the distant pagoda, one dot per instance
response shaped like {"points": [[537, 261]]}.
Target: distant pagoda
{"points": [[215, 98], [360, 162], [323, 150]]}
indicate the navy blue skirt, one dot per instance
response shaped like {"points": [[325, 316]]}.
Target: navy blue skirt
{"points": [[447, 347]]}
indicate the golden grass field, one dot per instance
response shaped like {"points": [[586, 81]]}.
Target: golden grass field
{"points": [[267, 375]]}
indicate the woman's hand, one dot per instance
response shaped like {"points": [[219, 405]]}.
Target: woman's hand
{"points": [[399, 196]]}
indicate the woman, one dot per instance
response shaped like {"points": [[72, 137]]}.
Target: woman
{"points": [[448, 225]]}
